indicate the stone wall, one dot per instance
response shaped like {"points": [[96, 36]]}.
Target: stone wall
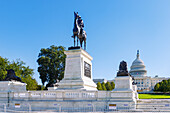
{"points": [[66, 98], [82, 99]]}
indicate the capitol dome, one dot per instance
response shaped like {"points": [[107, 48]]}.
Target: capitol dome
{"points": [[138, 68]]}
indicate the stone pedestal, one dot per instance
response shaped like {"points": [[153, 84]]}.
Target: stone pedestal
{"points": [[12, 86], [123, 83], [123, 95], [78, 71]]}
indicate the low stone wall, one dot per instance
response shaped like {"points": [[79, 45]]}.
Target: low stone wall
{"points": [[66, 94], [82, 100], [70, 98], [153, 105]]}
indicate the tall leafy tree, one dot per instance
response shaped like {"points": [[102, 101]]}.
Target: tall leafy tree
{"points": [[112, 85], [22, 71], [163, 86], [157, 86], [108, 86], [51, 63], [99, 86], [3, 66], [103, 86]]}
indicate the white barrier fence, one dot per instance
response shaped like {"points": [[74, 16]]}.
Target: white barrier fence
{"points": [[26, 107], [50, 94]]}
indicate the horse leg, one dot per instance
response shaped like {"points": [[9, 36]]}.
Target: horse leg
{"points": [[74, 41], [77, 41], [81, 43], [84, 44]]}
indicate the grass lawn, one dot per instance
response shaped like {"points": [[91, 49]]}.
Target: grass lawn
{"points": [[151, 96]]}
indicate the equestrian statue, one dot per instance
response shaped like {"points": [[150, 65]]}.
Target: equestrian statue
{"points": [[78, 31]]}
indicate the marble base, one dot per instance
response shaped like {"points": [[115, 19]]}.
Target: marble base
{"points": [[79, 84], [123, 83], [124, 93], [74, 75], [12, 86]]}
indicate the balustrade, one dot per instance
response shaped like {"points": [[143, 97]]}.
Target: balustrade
{"points": [[54, 94]]}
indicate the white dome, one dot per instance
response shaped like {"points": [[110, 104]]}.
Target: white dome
{"points": [[137, 61], [138, 68]]}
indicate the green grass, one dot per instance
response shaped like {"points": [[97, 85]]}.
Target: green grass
{"points": [[152, 96]]}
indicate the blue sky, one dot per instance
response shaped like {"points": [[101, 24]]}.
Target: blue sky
{"points": [[115, 29]]}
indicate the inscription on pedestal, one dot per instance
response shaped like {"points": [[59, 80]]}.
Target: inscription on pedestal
{"points": [[87, 69]]}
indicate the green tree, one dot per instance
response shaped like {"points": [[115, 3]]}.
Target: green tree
{"points": [[157, 86], [112, 85], [99, 86], [40, 87], [108, 86], [51, 63], [22, 71], [104, 87], [3, 66], [163, 86]]}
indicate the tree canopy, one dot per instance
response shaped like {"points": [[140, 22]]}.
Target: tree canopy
{"points": [[163, 86], [51, 63], [22, 71], [99, 86], [105, 86], [112, 85], [108, 86]]}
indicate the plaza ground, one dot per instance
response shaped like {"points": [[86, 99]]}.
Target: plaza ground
{"points": [[153, 96]]}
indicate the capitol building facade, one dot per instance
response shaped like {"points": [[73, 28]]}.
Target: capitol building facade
{"points": [[139, 73]]}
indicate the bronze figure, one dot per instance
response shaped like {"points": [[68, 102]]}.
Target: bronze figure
{"points": [[78, 30], [123, 66], [123, 69], [11, 76]]}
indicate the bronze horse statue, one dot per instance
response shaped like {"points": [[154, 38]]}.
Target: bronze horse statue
{"points": [[11, 76], [78, 30]]}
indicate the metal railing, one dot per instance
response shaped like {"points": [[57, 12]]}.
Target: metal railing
{"points": [[17, 107], [6, 107], [27, 108]]}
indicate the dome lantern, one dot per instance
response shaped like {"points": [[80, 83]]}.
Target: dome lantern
{"points": [[137, 54]]}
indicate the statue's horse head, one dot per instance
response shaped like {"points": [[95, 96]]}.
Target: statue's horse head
{"points": [[76, 16], [76, 28]]}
